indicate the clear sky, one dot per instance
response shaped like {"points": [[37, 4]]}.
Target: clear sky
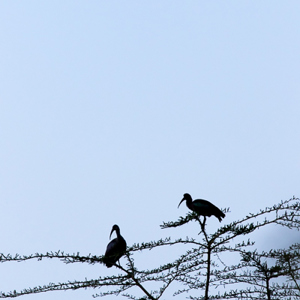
{"points": [[111, 110]]}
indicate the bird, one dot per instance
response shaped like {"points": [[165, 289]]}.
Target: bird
{"points": [[202, 207], [115, 249]]}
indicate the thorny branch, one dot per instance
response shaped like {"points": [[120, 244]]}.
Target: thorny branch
{"points": [[196, 268]]}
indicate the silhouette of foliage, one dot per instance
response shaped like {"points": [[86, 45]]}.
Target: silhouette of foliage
{"points": [[218, 265]]}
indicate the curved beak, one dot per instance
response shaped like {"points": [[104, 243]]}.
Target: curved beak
{"points": [[111, 233], [181, 202]]}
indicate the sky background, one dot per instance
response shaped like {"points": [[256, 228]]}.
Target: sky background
{"points": [[111, 110]]}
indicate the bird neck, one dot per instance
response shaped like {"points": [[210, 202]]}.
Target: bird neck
{"points": [[189, 204]]}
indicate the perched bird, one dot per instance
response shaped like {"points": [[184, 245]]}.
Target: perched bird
{"points": [[202, 207], [115, 249]]}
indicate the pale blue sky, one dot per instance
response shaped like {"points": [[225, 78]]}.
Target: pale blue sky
{"points": [[110, 111]]}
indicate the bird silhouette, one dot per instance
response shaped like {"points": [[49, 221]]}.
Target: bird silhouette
{"points": [[202, 207], [115, 249]]}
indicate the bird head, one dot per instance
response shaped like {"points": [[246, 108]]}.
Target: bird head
{"points": [[114, 228], [186, 197]]}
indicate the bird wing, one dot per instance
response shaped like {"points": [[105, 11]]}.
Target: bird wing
{"points": [[201, 203], [110, 249], [204, 207], [207, 208]]}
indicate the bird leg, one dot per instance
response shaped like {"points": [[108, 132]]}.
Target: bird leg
{"points": [[202, 224]]}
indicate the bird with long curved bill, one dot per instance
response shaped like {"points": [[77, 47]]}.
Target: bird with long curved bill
{"points": [[115, 249], [202, 207]]}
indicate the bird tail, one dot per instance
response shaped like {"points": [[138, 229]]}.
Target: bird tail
{"points": [[220, 215], [107, 262]]}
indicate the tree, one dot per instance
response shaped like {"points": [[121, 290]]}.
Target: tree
{"points": [[224, 261]]}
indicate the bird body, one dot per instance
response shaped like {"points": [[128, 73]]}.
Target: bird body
{"points": [[202, 207], [115, 249]]}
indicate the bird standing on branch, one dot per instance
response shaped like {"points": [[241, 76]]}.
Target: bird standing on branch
{"points": [[202, 207], [115, 249]]}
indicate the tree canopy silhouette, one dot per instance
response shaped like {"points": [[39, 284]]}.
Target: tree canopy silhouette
{"points": [[221, 265]]}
